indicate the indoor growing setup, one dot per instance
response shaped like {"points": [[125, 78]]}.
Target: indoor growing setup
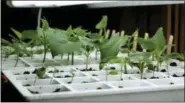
{"points": [[79, 65]]}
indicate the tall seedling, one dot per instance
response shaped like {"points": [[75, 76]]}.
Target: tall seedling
{"points": [[101, 26], [17, 46], [155, 45], [74, 35], [40, 72], [127, 48], [123, 61], [166, 58], [142, 59], [109, 48]]}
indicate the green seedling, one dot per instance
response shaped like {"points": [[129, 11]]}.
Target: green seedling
{"points": [[155, 45], [142, 59]]}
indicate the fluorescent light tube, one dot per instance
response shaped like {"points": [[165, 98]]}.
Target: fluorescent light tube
{"points": [[51, 3]]}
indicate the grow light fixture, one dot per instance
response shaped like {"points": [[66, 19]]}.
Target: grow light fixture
{"points": [[24, 3], [134, 3]]}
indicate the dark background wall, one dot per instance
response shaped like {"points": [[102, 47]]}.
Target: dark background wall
{"points": [[146, 18]]}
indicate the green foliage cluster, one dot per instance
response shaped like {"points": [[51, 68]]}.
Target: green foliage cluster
{"points": [[78, 40]]}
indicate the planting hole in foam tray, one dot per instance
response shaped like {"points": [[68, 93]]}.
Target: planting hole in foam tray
{"points": [[174, 62], [28, 77], [39, 82], [167, 81], [115, 77], [66, 74], [91, 67], [176, 72], [156, 75], [130, 84], [97, 73], [78, 80], [26, 71], [47, 89], [58, 69], [90, 86]]}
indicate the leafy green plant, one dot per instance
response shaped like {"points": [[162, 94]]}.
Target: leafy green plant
{"points": [[87, 51], [43, 37], [142, 59], [109, 47], [17, 46], [156, 45], [151, 67], [74, 35], [101, 26], [127, 48], [167, 57], [40, 72], [123, 61], [7, 51]]}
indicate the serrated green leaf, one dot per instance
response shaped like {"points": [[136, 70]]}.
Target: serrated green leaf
{"points": [[140, 56], [110, 48], [59, 44], [45, 25], [5, 42], [80, 32], [115, 60], [159, 38], [30, 34], [170, 56], [85, 41], [17, 33], [147, 44], [103, 23]]}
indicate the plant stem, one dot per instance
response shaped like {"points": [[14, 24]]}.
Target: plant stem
{"points": [[121, 72], [86, 64], [157, 66], [72, 58], [168, 71], [153, 73], [44, 59], [68, 58], [96, 54], [141, 69], [106, 78], [141, 75], [35, 80], [45, 48], [17, 59], [125, 67]]}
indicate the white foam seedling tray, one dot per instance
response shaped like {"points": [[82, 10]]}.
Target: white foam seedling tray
{"points": [[86, 87]]}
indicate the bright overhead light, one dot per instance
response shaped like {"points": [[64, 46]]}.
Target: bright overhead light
{"points": [[51, 3]]}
